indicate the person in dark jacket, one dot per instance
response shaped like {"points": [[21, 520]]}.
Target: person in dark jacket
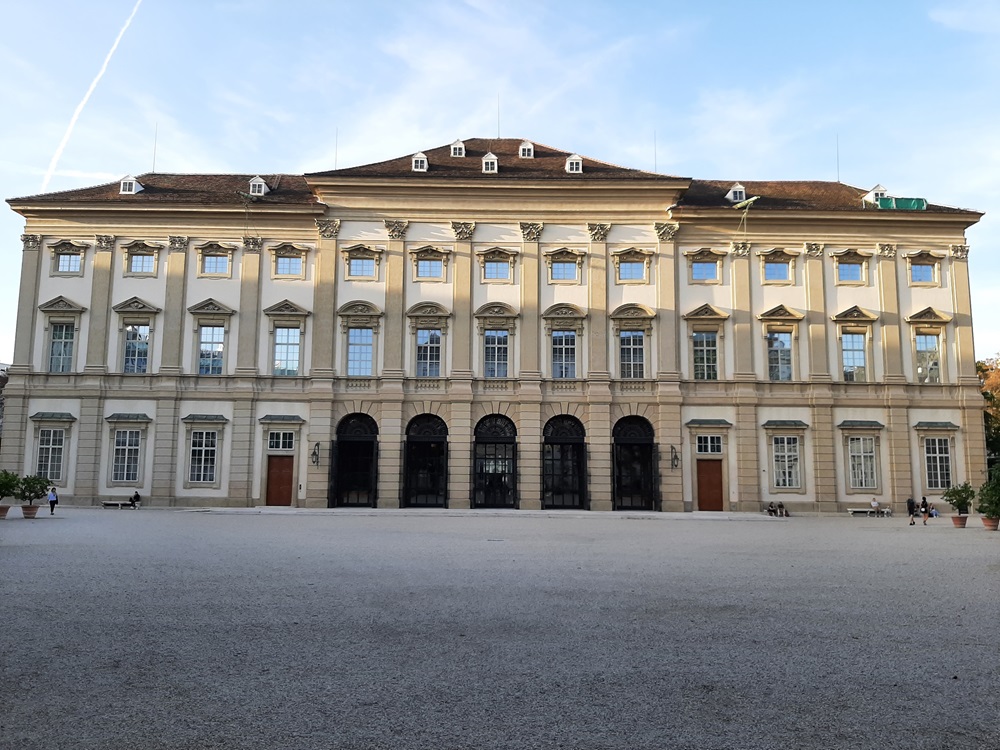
{"points": [[911, 509], [925, 509]]}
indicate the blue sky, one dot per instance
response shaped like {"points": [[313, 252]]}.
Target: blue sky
{"points": [[726, 90]]}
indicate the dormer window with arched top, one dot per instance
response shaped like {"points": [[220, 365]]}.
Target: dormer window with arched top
{"points": [[458, 148], [574, 164], [490, 164], [736, 193], [129, 186], [527, 150], [419, 163], [258, 186]]}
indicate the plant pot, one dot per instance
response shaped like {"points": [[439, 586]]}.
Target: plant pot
{"points": [[3, 510], [30, 511], [960, 521], [991, 523]]}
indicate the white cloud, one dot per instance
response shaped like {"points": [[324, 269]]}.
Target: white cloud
{"points": [[977, 16]]}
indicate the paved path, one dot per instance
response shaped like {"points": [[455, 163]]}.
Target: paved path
{"points": [[159, 629]]}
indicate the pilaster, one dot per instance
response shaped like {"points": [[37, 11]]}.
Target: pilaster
{"points": [[324, 331], [822, 434], [248, 320], [393, 339], [962, 322], [532, 279], [889, 317], [27, 304], [168, 435], [667, 293], [597, 291], [745, 339], [529, 458], [464, 272], [817, 315], [599, 456], [100, 306], [460, 439], [174, 306]]}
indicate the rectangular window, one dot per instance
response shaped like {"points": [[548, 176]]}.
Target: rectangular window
{"points": [[786, 462], [430, 269], [937, 454], [496, 354], [854, 352], [563, 270], [211, 350], [285, 265], [360, 343], [709, 443], [68, 263], [564, 354], [631, 349], [428, 353], [286, 351], [204, 447], [362, 267], [779, 356], [631, 271], [921, 273], [139, 263], [776, 270], [496, 269], [850, 272], [215, 264], [136, 359], [125, 466], [928, 359], [706, 355], [280, 441], [61, 338], [861, 457], [705, 270], [50, 454]]}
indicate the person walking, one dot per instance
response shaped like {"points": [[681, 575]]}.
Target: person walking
{"points": [[911, 510], [53, 500], [925, 509]]}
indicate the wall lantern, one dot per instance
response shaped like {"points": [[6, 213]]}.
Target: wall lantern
{"points": [[675, 459], [314, 456]]}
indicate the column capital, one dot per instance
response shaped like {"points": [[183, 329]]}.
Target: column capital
{"points": [[531, 231], [328, 228], [598, 232], [665, 231], [105, 242], [959, 252], [740, 249], [886, 250], [396, 228], [463, 229], [178, 244], [813, 249], [252, 244], [31, 241]]}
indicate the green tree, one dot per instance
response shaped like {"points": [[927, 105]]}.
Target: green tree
{"points": [[989, 378]]}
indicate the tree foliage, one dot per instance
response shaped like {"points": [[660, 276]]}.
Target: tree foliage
{"points": [[989, 376]]}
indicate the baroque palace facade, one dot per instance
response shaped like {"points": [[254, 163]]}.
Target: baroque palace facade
{"points": [[493, 323]]}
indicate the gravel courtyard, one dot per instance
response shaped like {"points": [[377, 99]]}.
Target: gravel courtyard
{"points": [[167, 629]]}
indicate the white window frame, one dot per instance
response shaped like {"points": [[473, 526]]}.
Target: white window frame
{"points": [[865, 332], [419, 162], [127, 325], [633, 319], [67, 362], [777, 256], [458, 149], [430, 254], [937, 440], [204, 423], [424, 317], [125, 425], [361, 316], [564, 318], [52, 423], [771, 335], [705, 255], [136, 250], [289, 251], [924, 259], [866, 459], [215, 250], [574, 164], [429, 362], [362, 252], [490, 164], [496, 255], [526, 150], [851, 257], [496, 317], [632, 255], [565, 255], [708, 444], [68, 249]]}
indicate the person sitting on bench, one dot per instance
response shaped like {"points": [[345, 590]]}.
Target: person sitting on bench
{"points": [[133, 500], [771, 510]]}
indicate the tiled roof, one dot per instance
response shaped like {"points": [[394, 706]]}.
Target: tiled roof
{"points": [[803, 195], [547, 164], [200, 189]]}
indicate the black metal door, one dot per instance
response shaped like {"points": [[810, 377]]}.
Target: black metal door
{"points": [[426, 474], [495, 475], [564, 464], [355, 463], [636, 482]]}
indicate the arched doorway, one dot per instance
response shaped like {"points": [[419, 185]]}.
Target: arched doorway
{"points": [[494, 466], [354, 468], [564, 464], [425, 463], [636, 482]]}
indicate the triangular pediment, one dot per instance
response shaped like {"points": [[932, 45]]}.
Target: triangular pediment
{"points": [[855, 314], [928, 315], [286, 307], [706, 312], [212, 307], [780, 313], [135, 305], [61, 304]]}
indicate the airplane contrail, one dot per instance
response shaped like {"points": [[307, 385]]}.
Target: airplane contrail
{"points": [[86, 97]]}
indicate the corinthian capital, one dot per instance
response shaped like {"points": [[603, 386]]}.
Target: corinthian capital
{"points": [[31, 241], [396, 228], [666, 230], [328, 228], [598, 232], [531, 231]]}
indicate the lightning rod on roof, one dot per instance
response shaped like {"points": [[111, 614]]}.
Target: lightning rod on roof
{"points": [[498, 115], [156, 128]]}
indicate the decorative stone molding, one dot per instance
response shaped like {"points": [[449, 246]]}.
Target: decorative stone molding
{"points": [[31, 241], [499, 255], [706, 312], [886, 250], [531, 231], [211, 307], [105, 242], [359, 315], [361, 251], [428, 315], [740, 249], [632, 317], [427, 252], [328, 228], [780, 313], [178, 244], [135, 305], [959, 252], [598, 232], [665, 231], [496, 316], [813, 249], [564, 317], [564, 254], [854, 314], [635, 255], [396, 228], [62, 305], [929, 316], [252, 244], [463, 229]]}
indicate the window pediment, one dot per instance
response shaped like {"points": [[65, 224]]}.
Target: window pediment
{"points": [[706, 312], [929, 316], [69, 247], [359, 314], [290, 250], [632, 317], [631, 253], [851, 255], [502, 254], [135, 305], [428, 315], [778, 254], [215, 248], [211, 307], [496, 316], [854, 314], [564, 317], [142, 246], [704, 254], [363, 251], [781, 313], [924, 256], [428, 252], [61, 304], [286, 309], [564, 254]]}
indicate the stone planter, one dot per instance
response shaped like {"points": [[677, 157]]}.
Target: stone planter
{"points": [[30, 511], [959, 521], [3, 510], [991, 523]]}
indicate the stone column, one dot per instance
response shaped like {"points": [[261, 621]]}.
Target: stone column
{"points": [[962, 323], [597, 300], [889, 316], [464, 272], [532, 278], [745, 338], [817, 320], [27, 306], [248, 318], [174, 306], [668, 319], [100, 306], [323, 321]]}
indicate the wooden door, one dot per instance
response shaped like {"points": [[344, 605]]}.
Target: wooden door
{"points": [[709, 484], [279, 480]]}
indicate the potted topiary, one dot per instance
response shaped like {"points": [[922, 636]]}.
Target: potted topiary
{"points": [[30, 489], [9, 482], [960, 497], [989, 500]]}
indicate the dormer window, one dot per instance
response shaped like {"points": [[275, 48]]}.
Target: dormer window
{"points": [[129, 186], [258, 186], [736, 193], [574, 164], [527, 150], [419, 163], [458, 149], [875, 194], [490, 165]]}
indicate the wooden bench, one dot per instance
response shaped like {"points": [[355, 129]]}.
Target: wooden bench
{"points": [[887, 512], [119, 504]]}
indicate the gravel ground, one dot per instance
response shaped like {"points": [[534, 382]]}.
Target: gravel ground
{"points": [[163, 629]]}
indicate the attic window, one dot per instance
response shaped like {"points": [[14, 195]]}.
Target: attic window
{"points": [[419, 163], [527, 150], [574, 164], [129, 186], [737, 193], [258, 186], [490, 165], [458, 149]]}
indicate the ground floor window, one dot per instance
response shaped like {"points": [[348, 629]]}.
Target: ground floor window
{"points": [[937, 458], [785, 457], [125, 463], [862, 462], [51, 443], [204, 447]]}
